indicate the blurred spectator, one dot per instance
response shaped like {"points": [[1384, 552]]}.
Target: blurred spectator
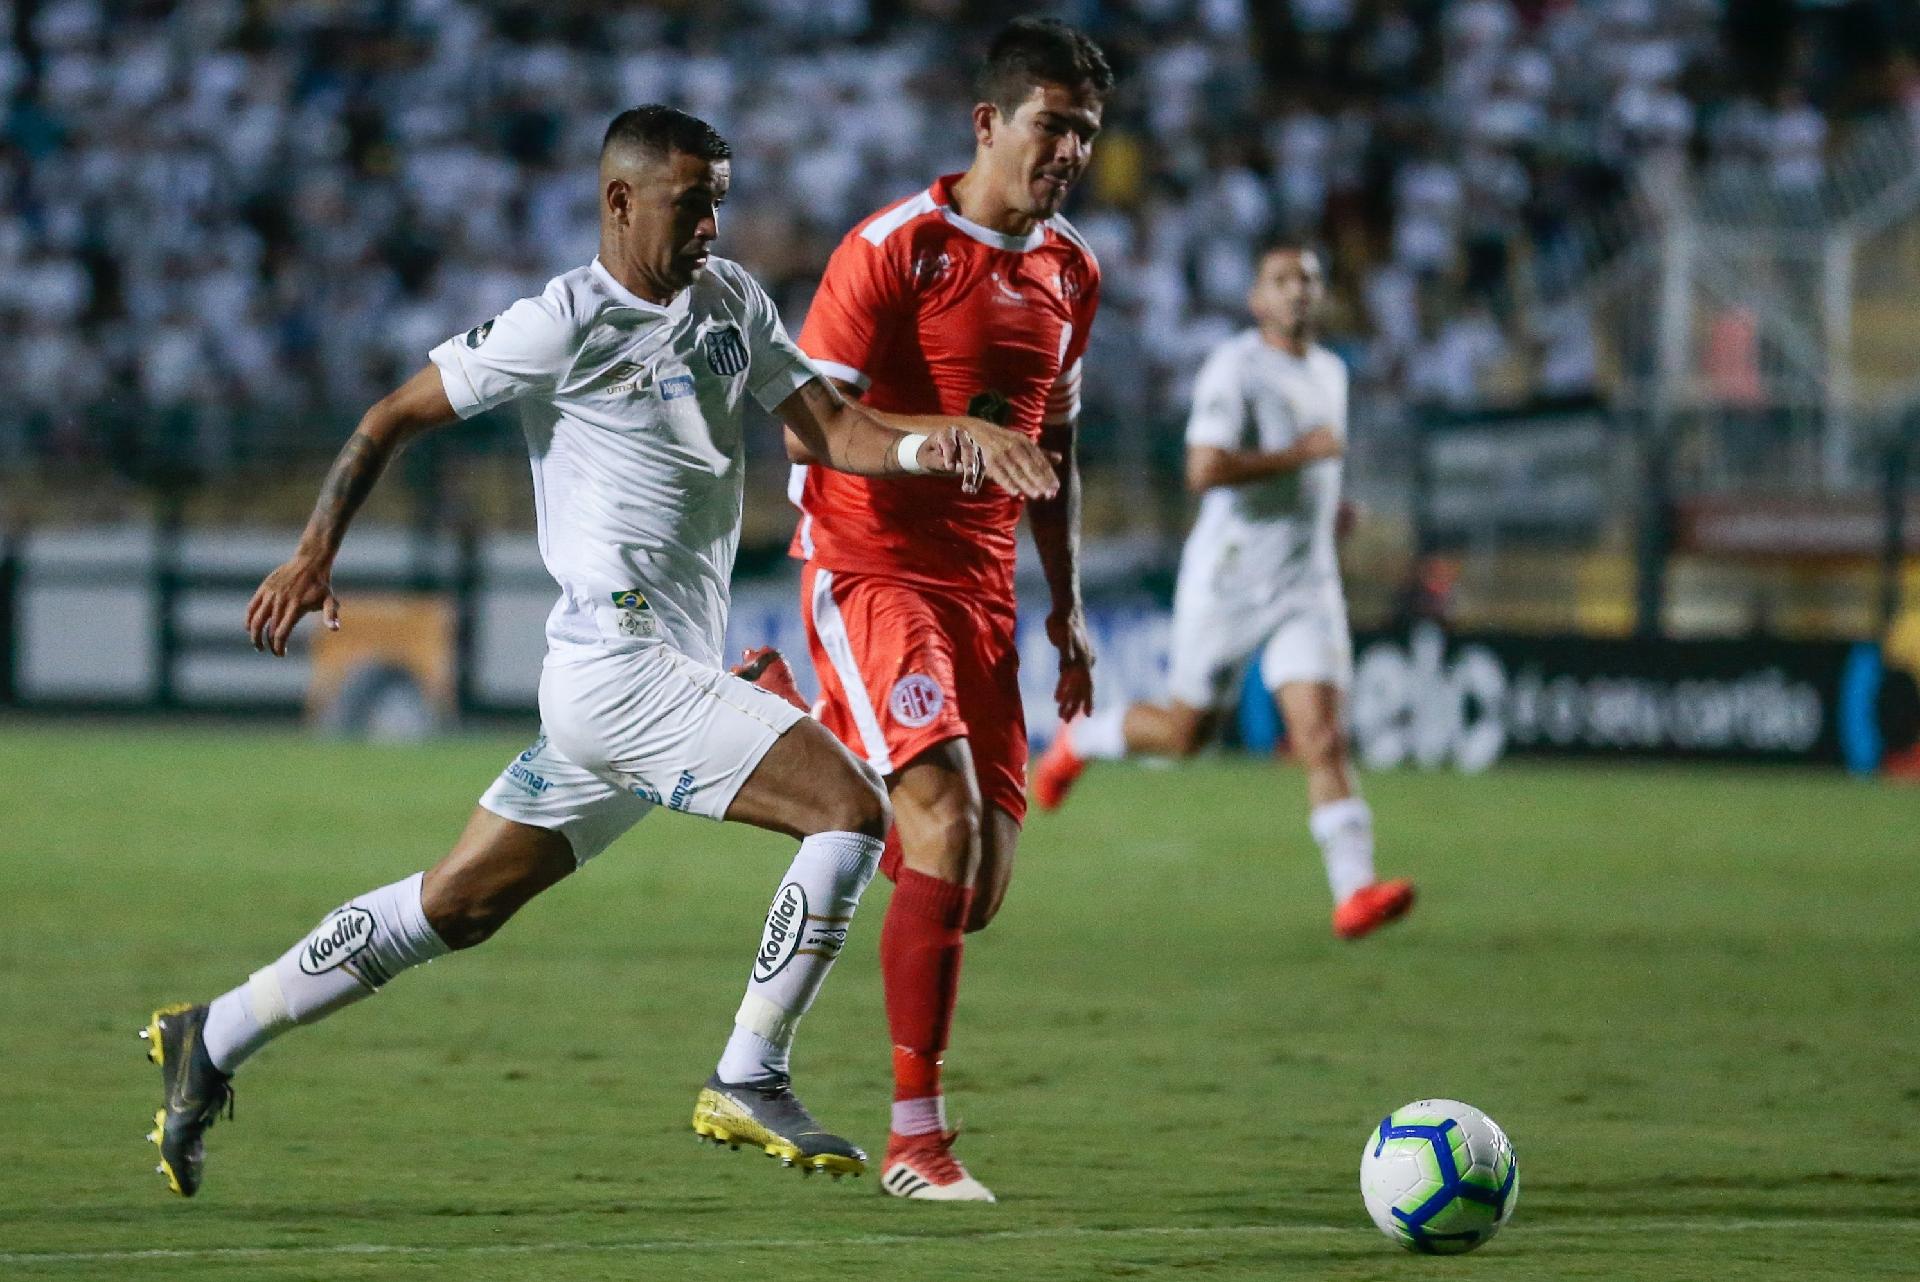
{"points": [[223, 214]]}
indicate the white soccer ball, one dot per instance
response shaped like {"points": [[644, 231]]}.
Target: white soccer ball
{"points": [[1439, 1176]]}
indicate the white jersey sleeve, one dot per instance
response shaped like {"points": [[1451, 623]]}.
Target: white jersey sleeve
{"points": [[524, 351], [1338, 382], [1219, 414], [777, 368]]}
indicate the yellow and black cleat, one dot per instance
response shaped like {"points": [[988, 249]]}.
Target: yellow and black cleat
{"points": [[195, 1092], [771, 1118]]}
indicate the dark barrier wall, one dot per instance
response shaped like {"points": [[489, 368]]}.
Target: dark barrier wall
{"points": [[1426, 698]]}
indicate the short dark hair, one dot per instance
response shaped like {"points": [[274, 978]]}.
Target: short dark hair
{"points": [[1283, 242], [660, 129], [1032, 51]]}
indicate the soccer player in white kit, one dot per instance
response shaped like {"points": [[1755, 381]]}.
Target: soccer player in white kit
{"points": [[1259, 575], [631, 377]]}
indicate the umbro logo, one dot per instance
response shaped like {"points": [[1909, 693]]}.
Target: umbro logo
{"points": [[631, 376]]}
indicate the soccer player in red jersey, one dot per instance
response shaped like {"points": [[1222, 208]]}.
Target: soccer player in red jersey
{"points": [[975, 296]]}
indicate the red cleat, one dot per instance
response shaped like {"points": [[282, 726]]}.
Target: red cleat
{"points": [[768, 669], [1054, 774], [923, 1167], [1371, 907]]}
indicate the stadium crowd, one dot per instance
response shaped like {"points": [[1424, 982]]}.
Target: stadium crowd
{"points": [[217, 215]]}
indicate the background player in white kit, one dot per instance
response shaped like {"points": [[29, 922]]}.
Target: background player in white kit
{"points": [[631, 377], [1259, 574]]}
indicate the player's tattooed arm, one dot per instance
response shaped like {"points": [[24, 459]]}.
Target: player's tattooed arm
{"points": [[355, 468], [304, 583], [1056, 536], [1209, 466]]}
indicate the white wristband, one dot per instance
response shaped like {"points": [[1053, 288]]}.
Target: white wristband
{"points": [[908, 452]]}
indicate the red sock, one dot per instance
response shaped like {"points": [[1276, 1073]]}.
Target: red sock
{"points": [[920, 947]]}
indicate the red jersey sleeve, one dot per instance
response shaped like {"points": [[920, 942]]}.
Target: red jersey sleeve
{"points": [[1063, 401], [860, 302]]}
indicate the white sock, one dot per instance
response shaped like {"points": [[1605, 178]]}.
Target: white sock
{"points": [[354, 950], [1099, 736], [1344, 830], [806, 928], [924, 1116]]}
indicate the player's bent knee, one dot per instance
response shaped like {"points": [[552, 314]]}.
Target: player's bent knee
{"points": [[955, 814], [1320, 746], [941, 823], [858, 804], [1190, 736], [497, 867], [1316, 739], [464, 917], [466, 925], [981, 912]]}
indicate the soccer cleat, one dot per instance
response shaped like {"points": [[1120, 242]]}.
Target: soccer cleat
{"points": [[773, 1119], [769, 669], [195, 1093], [1371, 907], [1054, 774], [924, 1168]]}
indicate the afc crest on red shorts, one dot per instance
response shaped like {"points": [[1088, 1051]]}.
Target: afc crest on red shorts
{"points": [[904, 667]]}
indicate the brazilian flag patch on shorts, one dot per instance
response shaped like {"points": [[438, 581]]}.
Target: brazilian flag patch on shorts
{"points": [[636, 617]]}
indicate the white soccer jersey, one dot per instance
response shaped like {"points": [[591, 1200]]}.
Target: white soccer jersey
{"points": [[1271, 537], [633, 417]]}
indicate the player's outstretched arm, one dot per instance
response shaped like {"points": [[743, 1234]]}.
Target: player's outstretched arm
{"points": [[1002, 451], [305, 582], [1209, 466], [848, 437]]}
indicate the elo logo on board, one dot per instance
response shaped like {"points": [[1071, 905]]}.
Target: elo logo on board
{"points": [[916, 700]]}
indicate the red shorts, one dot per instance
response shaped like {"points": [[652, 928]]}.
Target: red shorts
{"points": [[904, 667]]}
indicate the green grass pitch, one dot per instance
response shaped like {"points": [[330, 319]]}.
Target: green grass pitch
{"points": [[1689, 996]]}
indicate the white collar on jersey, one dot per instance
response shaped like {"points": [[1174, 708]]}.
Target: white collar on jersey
{"points": [[987, 235], [627, 298]]}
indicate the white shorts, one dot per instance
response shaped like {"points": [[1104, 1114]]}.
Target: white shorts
{"points": [[624, 732], [1300, 636]]}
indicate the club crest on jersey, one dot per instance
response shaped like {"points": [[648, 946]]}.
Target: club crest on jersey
{"points": [[726, 352], [930, 266], [478, 334], [916, 700]]}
